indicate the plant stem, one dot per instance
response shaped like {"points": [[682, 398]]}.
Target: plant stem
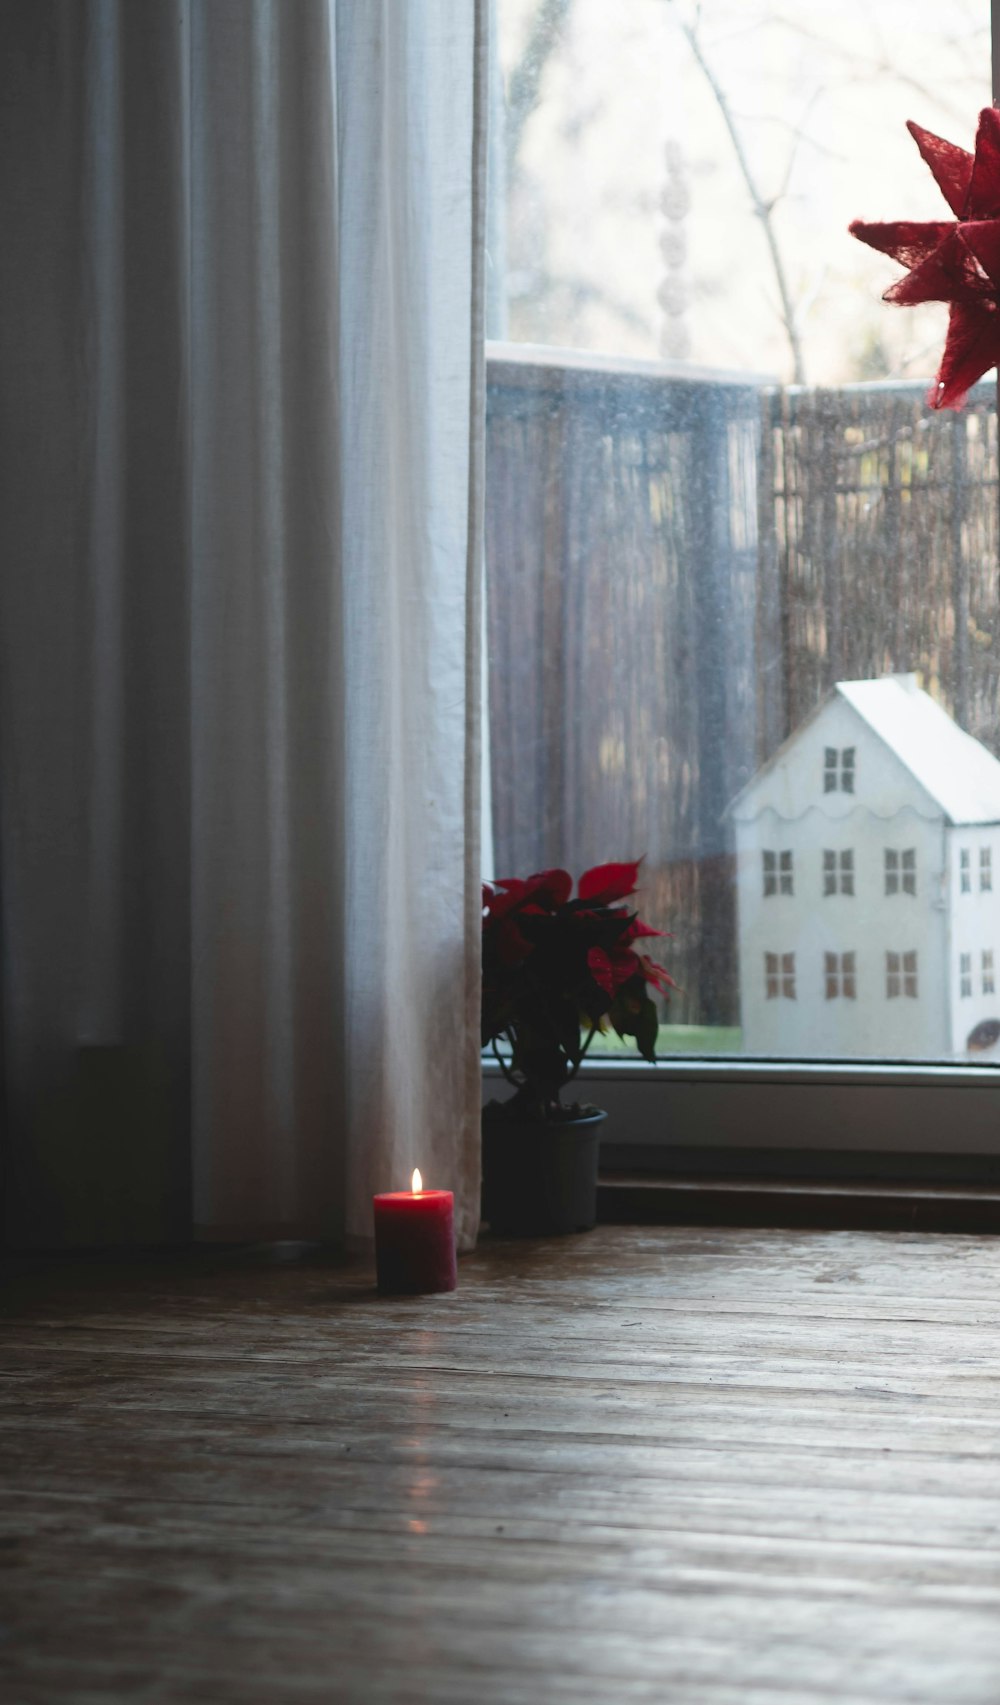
{"points": [[583, 1052], [503, 1064]]}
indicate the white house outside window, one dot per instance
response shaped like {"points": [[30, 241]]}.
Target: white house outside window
{"points": [[964, 871], [778, 875], [965, 975], [779, 976], [838, 770], [985, 869], [901, 975], [838, 871], [988, 982], [900, 870], [839, 972]]}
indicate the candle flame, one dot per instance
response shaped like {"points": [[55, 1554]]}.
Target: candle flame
{"points": [[416, 1182]]}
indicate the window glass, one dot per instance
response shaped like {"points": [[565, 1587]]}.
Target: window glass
{"points": [[741, 580], [770, 874]]}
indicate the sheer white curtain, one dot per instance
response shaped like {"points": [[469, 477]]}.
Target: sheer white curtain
{"points": [[241, 394]]}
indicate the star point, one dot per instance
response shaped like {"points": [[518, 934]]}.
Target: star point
{"points": [[955, 261]]}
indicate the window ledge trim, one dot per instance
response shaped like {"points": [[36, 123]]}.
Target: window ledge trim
{"points": [[707, 1070]]}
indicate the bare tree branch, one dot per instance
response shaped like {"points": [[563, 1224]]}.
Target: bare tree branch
{"points": [[762, 206], [524, 82]]}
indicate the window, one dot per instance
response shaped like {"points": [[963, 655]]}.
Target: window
{"points": [[985, 869], [900, 870], [901, 975], [838, 871], [838, 769], [965, 975], [777, 873], [964, 871], [988, 983], [779, 976], [839, 976], [685, 562]]}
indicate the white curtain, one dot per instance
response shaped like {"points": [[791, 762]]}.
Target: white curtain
{"points": [[241, 397]]}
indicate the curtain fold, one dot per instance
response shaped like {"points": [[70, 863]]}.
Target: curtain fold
{"points": [[241, 402]]}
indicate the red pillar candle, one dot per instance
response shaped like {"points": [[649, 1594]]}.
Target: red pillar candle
{"points": [[415, 1240]]}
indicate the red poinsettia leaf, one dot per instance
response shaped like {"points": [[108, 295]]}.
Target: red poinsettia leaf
{"points": [[984, 188], [910, 241], [973, 347], [952, 166], [613, 970], [513, 947], [608, 882], [637, 928], [557, 885], [656, 974], [982, 239], [501, 898], [599, 966], [624, 965]]}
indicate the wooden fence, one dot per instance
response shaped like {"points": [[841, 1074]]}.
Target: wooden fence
{"points": [[680, 566]]}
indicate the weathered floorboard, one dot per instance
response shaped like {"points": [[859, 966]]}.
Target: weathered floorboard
{"points": [[646, 1464]]}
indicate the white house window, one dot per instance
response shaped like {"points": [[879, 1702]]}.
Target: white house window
{"points": [[901, 975], [900, 870], [778, 875], [985, 869], [965, 975], [840, 976], [838, 769], [988, 983], [838, 871], [964, 871], [779, 976]]}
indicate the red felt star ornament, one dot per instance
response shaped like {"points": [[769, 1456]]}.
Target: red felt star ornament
{"points": [[953, 260]]}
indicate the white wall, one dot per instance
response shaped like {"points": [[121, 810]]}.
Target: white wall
{"points": [[974, 927], [810, 924]]}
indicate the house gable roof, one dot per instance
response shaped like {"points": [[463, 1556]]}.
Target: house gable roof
{"points": [[954, 769]]}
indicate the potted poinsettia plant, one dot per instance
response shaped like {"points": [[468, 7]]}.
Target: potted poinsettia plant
{"points": [[558, 969]]}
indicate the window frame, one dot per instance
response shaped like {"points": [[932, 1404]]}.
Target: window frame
{"points": [[840, 975], [838, 869], [886, 1118], [777, 872]]}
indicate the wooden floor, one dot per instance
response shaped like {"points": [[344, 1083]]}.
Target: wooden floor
{"points": [[663, 1465]]}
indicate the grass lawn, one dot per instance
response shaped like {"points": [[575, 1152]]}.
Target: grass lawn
{"points": [[676, 1039]]}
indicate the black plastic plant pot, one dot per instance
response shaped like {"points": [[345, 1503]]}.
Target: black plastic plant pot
{"points": [[540, 1178]]}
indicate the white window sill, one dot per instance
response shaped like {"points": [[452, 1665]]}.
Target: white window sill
{"points": [[749, 1105]]}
